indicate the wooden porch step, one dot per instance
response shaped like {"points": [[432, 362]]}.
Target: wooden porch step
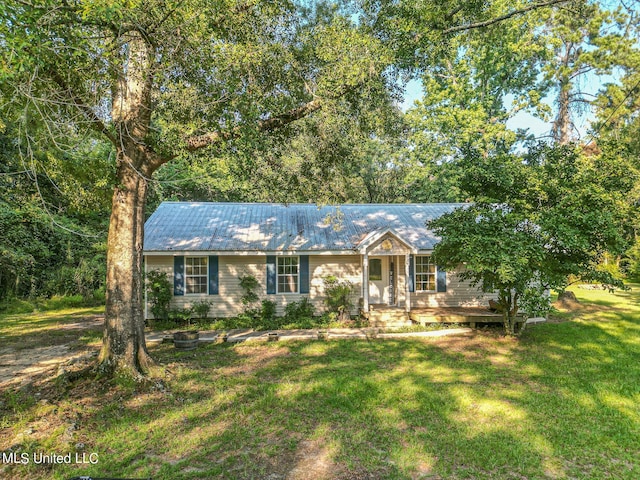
{"points": [[472, 316], [381, 316]]}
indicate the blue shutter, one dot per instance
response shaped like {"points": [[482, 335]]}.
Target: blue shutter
{"points": [[412, 286], [304, 273], [441, 280], [213, 275], [178, 276], [271, 274]]}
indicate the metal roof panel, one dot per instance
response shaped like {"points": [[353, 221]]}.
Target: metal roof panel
{"points": [[259, 227]]}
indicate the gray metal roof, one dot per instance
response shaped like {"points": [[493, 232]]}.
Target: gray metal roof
{"points": [[268, 227]]}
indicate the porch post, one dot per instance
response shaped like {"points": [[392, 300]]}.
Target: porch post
{"points": [[365, 282], [407, 289]]}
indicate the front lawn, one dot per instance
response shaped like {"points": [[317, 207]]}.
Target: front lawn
{"points": [[563, 401]]}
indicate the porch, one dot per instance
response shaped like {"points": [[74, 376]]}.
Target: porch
{"points": [[394, 271], [380, 315], [470, 315]]}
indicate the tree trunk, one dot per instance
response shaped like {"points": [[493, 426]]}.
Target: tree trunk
{"points": [[123, 345], [562, 123]]}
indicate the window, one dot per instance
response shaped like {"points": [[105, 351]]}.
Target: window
{"points": [[425, 274], [196, 275], [375, 269], [288, 274]]}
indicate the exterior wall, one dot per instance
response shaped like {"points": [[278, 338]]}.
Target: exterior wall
{"points": [[345, 267], [459, 293], [227, 303]]}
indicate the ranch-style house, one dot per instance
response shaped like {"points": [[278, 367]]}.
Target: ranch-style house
{"points": [[384, 250]]}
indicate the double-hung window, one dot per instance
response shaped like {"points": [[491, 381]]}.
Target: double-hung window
{"points": [[425, 274], [196, 275], [288, 275]]}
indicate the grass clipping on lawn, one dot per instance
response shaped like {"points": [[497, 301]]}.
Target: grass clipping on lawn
{"points": [[562, 401]]}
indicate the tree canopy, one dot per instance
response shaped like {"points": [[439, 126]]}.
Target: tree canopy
{"points": [[141, 98], [538, 220]]}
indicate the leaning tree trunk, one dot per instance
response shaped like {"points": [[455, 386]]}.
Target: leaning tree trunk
{"points": [[124, 346]]}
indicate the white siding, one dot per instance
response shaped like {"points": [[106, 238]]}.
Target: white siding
{"points": [[459, 293], [346, 267], [230, 268]]}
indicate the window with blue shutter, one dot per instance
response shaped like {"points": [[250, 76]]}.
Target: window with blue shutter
{"points": [[178, 276], [271, 274], [304, 273], [441, 280], [213, 275], [412, 286]]}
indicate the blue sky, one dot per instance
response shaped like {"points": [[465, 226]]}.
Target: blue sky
{"points": [[591, 85]]}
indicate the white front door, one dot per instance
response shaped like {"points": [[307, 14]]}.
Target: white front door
{"points": [[379, 280]]}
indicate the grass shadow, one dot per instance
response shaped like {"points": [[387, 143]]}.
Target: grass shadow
{"points": [[560, 402]]}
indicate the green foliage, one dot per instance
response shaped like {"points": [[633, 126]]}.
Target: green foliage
{"points": [[159, 294], [180, 316], [59, 302], [537, 220], [338, 296], [298, 310], [632, 261], [267, 311], [51, 219], [249, 285], [201, 308], [14, 305], [38, 258]]}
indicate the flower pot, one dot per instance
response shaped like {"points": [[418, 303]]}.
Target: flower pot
{"points": [[187, 340], [323, 334], [272, 336]]}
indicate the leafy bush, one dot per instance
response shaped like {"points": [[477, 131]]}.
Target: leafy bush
{"points": [[299, 310], [201, 308], [40, 260], [181, 316], [338, 296], [159, 294], [249, 285], [59, 302], [268, 311], [14, 306]]}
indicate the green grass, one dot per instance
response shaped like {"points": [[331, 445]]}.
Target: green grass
{"points": [[563, 401], [22, 331]]}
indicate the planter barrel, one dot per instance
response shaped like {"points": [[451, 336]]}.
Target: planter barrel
{"points": [[186, 340]]}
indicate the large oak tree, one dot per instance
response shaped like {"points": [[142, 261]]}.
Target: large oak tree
{"points": [[161, 80]]}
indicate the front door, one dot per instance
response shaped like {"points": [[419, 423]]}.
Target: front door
{"points": [[379, 280]]}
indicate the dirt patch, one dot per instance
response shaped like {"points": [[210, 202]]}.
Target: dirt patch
{"points": [[312, 460], [18, 368], [567, 301], [39, 357], [94, 321]]}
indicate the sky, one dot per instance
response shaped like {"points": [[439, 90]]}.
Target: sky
{"points": [[591, 85]]}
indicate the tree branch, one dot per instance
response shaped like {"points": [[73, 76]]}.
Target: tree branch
{"points": [[201, 141], [280, 121], [273, 123], [77, 101], [486, 23]]}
